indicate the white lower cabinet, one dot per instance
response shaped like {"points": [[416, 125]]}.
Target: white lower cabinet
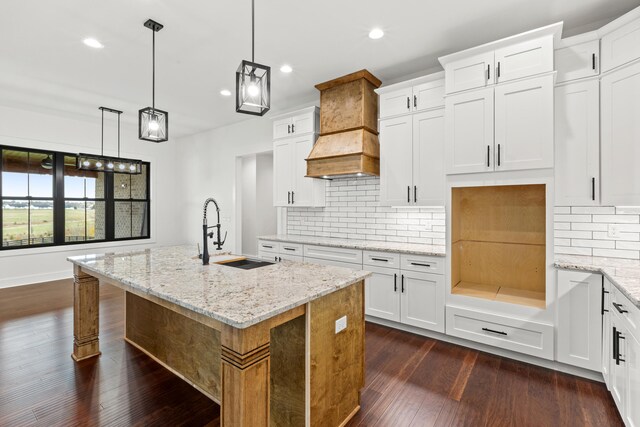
{"points": [[618, 379], [579, 331], [422, 300], [607, 347], [382, 294], [633, 389]]}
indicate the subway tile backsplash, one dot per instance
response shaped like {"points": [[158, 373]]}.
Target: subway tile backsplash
{"points": [[353, 212], [605, 231]]}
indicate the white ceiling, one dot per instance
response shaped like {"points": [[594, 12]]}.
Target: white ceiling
{"points": [[44, 64]]}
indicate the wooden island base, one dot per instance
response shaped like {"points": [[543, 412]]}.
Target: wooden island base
{"points": [[289, 370]]}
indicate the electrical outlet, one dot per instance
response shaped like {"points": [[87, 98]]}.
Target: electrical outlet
{"points": [[341, 324], [614, 231]]}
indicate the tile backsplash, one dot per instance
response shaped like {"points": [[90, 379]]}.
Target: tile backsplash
{"points": [[605, 231], [353, 212]]}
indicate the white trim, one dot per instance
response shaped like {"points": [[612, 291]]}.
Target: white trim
{"points": [[36, 278], [410, 83], [576, 40]]}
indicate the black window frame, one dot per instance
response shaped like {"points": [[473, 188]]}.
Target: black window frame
{"points": [[59, 202]]}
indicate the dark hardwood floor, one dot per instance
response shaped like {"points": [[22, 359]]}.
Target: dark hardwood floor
{"points": [[410, 380]]}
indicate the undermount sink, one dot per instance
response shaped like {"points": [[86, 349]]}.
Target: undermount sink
{"points": [[247, 264]]}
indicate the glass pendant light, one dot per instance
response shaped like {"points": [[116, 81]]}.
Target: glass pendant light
{"points": [[47, 163], [153, 124], [253, 81], [104, 163]]}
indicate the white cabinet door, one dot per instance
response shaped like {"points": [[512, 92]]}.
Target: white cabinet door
{"points": [[577, 144], [281, 128], [524, 59], [428, 158], [524, 124], [607, 348], [303, 123], [578, 61], [396, 150], [422, 300], [282, 172], [619, 367], [303, 189], [395, 103], [621, 46], [620, 145], [469, 73], [382, 293], [469, 132], [633, 386], [580, 319], [428, 95]]}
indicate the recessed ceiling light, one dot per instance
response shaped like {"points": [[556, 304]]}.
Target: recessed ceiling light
{"points": [[225, 92], [286, 68], [376, 34], [91, 42]]}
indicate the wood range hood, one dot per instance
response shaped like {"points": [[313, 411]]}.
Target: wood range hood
{"points": [[348, 143]]}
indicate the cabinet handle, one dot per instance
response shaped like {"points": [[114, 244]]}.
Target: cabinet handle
{"points": [[293, 128], [488, 155], [379, 259], [494, 332], [267, 246], [593, 61], [293, 200], [415, 101], [275, 258], [279, 259], [619, 337], [488, 72], [498, 154], [614, 347], [415, 194], [619, 308], [288, 128], [593, 189], [408, 194], [288, 197], [420, 264], [395, 282], [408, 103], [604, 310], [289, 249], [498, 75], [402, 284]]}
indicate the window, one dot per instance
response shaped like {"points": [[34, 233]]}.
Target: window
{"points": [[47, 201]]}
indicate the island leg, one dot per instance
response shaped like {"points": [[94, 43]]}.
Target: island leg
{"points": [[85, 315]]}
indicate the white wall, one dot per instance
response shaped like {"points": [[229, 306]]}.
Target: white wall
{"points": [[248, 205], [47, 131], [266, 213]]}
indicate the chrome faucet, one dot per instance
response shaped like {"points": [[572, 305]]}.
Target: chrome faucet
{"points": [[206, 233]]}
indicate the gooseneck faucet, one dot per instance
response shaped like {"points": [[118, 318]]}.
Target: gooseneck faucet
{"points": [[206, 233]]}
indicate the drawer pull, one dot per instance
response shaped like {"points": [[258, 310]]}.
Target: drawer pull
{"points": [[402, 284], [379, 259], [395, 282], [619, 308], [289, 249], [421, 264], [604, 310], [267, 246], [494, 332]]}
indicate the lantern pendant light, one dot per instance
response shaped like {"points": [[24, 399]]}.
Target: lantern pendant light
{"points": [[92, 162], [153, 124], [253, 81]]}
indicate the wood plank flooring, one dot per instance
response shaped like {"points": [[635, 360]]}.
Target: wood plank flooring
{"points": [[410, 380]]}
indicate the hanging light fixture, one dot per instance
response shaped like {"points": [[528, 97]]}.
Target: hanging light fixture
{"points": [[47, 163], [104, 163], [253, 81], [153, 124]]}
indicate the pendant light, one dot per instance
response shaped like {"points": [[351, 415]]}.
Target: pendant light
{"points": [[153, 124], [47, 163], [104, 163], [253, 81]]}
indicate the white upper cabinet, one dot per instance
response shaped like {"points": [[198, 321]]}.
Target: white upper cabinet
{"points": [[620, 113], [578, 61], [428, 158], [621, 40], [302, 124], [469, 73], [524, 124], [396, 152], [304, 191], [282, 172], [297, 123], [424, 93], [469, 132], [524, 59], [577, 143], [282, 128]]}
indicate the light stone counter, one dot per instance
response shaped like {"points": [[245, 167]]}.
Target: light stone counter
{"points": [[367, 245], [623, 273], [237, 297]]}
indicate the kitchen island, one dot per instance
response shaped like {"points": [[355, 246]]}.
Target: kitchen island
{"points": [[276, 345]]}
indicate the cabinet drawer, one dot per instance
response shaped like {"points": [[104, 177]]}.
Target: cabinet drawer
{"points": [[621, 304], [381, 259], [421, 263], [621, 46], [288, 257], [526, 337], [352, 256], [578, 61], [333, 263], [268, 246], [524, 59], [291, 249]]}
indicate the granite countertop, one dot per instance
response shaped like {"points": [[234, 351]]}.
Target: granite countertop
{"points": [[233, 296], [623, 273], [367, 245]]}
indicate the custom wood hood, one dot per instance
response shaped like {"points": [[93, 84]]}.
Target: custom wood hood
{"points": [[348, 143]]}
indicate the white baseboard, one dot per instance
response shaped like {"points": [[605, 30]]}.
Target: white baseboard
{"points": [[550, 364], [35, 278]]}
